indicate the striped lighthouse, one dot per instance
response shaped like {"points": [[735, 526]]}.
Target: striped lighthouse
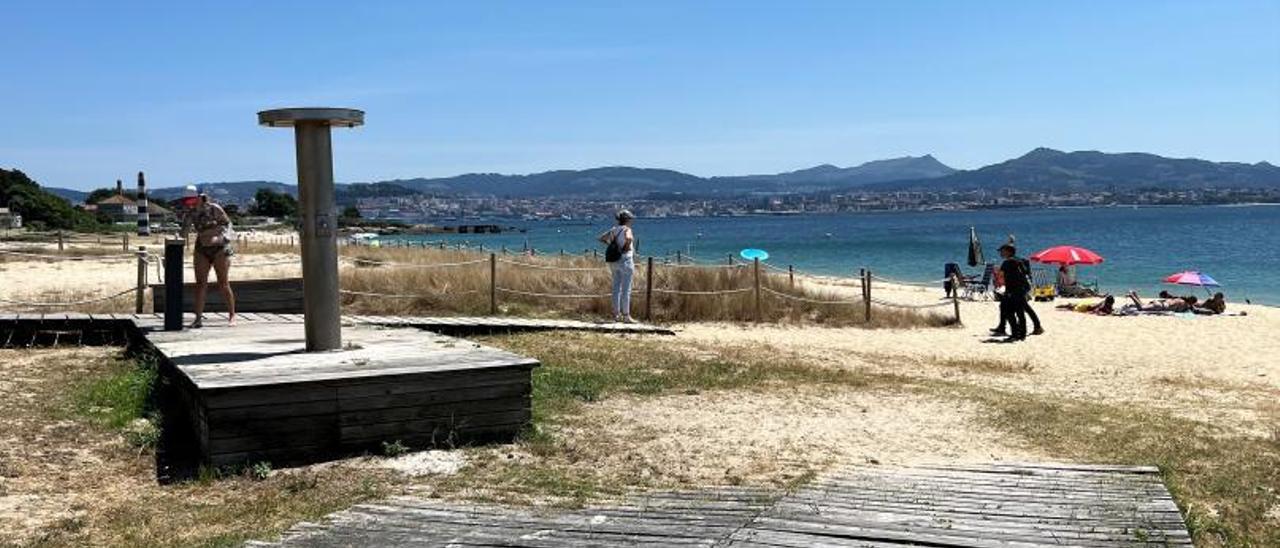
{"points": [[144, 217]]}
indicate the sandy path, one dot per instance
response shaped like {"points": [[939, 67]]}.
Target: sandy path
{"points": [[1220, 368]]}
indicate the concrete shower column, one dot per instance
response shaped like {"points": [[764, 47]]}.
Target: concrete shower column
{"points": [[318, 214]]}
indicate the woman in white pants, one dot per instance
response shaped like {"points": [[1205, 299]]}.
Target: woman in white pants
{"points": [[621, 258]]}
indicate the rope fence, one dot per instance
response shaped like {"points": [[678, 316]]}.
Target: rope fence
{"points": [[94, 300], [406, 295], [646, 279]]}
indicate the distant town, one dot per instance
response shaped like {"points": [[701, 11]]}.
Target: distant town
{"points": [[424, 208]]}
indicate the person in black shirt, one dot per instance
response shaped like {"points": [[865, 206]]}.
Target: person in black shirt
{"points": [[1013, 304]]}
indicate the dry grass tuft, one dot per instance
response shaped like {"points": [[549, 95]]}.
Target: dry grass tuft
{"points": [[979, 365], [69, 477], [529, 286]]}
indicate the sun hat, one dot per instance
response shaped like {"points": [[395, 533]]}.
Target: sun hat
{"points": [[190, 192], [625, 215]]}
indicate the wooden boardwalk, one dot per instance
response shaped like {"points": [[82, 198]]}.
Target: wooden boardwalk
{"points": [[941, 506], [37, 329]]}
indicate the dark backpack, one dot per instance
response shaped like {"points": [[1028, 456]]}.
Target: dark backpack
{"points": [[613, 253]]}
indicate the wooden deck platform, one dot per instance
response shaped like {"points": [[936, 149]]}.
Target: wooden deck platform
{"points": [[953, 506], [238, 395], [248, 394]]}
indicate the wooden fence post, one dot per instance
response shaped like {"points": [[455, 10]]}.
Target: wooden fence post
{"points": [[730, 260], [756, 265], [866, 294], [59, 240], [955, 296], [141, 296], [678, 257], [648, 291], [493, 284], [791, 276]]}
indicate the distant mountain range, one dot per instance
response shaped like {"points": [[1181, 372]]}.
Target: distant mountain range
{"points": [[1042, 169], [1046, 169]]}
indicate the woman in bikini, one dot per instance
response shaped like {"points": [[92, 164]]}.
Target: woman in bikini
{"points": [[212, 249]]}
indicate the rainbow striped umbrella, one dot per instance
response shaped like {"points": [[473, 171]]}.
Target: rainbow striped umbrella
{"points": [[1192, 277]]}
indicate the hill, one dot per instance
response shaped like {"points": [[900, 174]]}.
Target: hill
{"points": [[70, 195], [39, 208], [626, 182], [1045, 169], [827, 176]]}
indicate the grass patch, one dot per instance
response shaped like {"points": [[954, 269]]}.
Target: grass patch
{"points": [[117, 396], [66, 411], [581, 368], [550, 465], [978, 365], [1228, 486]]}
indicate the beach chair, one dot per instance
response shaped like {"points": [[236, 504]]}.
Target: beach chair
{"points": [[1044, 285], [975, 287]]}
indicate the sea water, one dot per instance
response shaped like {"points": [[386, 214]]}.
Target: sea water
{"points": [[1237, 245]]}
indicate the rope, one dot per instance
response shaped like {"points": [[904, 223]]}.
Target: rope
{"points": [[704, 265], [719, 292], [404, 295], [269, 263], [929, 284], [557, 295], [73, 303], [550, 267], [65, 258], [414, 265], [805, 299], [910, 306]]}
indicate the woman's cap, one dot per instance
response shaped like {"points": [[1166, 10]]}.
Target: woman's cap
{"points": [[190, 192], [625, 215]]}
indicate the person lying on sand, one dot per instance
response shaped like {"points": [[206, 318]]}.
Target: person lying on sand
{"points": [[1215, 305], [1175, 304], [1102, 308]]}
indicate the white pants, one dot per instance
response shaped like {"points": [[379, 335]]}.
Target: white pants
{"points": [[623, 271]]}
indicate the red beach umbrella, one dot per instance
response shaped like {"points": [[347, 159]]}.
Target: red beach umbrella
{"points": [[1067, 255]]}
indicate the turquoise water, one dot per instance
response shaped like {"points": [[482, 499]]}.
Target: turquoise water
{"points": [[1238, 246]]}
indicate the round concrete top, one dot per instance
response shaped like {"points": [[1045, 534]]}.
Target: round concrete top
{"points": [[289, 117]]}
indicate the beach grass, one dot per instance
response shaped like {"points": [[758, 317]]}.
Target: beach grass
{"points": [[70, 415], [1224, 482], [577, 286], [430, 281]]}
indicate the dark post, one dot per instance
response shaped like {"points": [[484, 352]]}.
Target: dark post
{"points": [[648, 291], [866, 293], [955, 296], [140, 296], [173, 305], [791, 276], [59, 240], [678, 257], [493, 284], [730, 262], [756, 265], [124, 241]]}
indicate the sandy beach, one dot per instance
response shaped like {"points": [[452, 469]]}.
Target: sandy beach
{"points": [[923, 402]]}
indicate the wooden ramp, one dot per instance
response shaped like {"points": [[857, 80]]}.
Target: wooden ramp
{"points": [[939, 506]]}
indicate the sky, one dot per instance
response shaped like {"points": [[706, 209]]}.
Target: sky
{"points": [[96, 91]]}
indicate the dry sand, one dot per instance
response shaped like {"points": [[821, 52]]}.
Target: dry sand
{"points": [[764, 436], [1223, 369]]}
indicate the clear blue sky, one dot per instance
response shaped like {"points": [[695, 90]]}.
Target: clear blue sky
{"points": [[96, 91]]}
